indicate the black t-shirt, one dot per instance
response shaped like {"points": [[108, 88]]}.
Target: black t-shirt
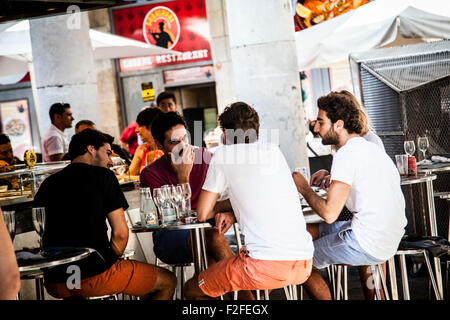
{"points": [[77, 201]]}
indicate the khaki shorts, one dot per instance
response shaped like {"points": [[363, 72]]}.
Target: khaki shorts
{"points": [[242, 272], [125, 276]]}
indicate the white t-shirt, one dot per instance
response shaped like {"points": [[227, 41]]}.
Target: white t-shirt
{"points": [[372, 137], [264, 199], [55, 141], [375, 198]]}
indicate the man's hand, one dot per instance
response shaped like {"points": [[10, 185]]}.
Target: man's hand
{"points": [[300, 182], [224, 220], [321, 179], [182, 163]]}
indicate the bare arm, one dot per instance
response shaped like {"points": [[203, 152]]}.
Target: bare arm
{"points": [[119, 231], [206, 203], [135, 165], [9, 271], [330, 208], [56, 157]]}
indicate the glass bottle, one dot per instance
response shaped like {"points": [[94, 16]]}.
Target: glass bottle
{"points": [[148, 212]]}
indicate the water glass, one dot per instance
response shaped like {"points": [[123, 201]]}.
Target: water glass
{"points": [[167, 211], [10, 222], [38, 217], [186, 203], [401, 161], [158, 200]]}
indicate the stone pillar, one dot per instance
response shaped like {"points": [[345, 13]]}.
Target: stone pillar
{"points": [[264, 68], [220, 51], [64, 68]]}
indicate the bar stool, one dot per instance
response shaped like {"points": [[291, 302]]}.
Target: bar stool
{"points": [[180, 273], [401, 253], [338, 278], [38, 277]]}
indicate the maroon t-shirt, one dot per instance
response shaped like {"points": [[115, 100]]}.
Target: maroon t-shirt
{"points": [[159, 173]]}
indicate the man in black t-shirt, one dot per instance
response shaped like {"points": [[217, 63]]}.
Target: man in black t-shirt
{"points": [[78, 201]]}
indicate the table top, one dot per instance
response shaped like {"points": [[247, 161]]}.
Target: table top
{"points": [[434, 167], [182, 226], [29, 261], [417, 179]]}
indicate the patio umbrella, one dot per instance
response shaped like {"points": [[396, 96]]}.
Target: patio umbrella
{"points": [[15, 47]]}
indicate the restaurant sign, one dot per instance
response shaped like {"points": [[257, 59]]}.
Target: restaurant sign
{"points": [[179, 25]]}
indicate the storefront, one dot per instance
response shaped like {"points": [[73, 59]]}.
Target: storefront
{"points": [[181, 26]]}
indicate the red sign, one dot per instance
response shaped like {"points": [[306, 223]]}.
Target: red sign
{"points": [[161, 27], [180, 25], [189, 74]]}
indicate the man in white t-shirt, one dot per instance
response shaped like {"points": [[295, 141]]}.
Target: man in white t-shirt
{"points": [[363, 178], [264, 201], [55, 143]]}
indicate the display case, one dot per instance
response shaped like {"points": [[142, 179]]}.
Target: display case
{"points": [[20, 183]]}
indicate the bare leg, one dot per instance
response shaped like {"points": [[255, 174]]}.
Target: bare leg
{"points": [[164, 287], [193, 292], [316, 286], [366, 279]]}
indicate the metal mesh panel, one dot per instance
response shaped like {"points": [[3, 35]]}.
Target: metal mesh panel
{"points": [[381, 103], [406, 92]]}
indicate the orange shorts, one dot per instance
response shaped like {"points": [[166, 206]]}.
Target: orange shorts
{"points": [[125, 276], [242, 272]]}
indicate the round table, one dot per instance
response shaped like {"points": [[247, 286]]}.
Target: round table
{"points": [[197, 240]]}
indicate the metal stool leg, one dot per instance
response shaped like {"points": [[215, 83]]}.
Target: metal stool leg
{"points": [[287, 293], [375, 282], [383, 281], [404, 275], [431, 276]]}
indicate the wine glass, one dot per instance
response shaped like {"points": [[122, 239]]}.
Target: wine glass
{"points": [[38, 216], [410, 147], [10, 222], [422, 144], [187, 193], [176, 195], [158, 200]]}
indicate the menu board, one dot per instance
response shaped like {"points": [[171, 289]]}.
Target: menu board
{"points": [[15, 120]]}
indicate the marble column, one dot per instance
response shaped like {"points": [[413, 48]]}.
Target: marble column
{"points": [[264, 73], [63, 68]]}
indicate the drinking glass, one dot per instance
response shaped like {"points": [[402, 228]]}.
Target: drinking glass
{"points": [[176, 196], [410, 147], [10, 222], [167, 210], [187, 193], [422, 144], [158, 200], [38, 216]]}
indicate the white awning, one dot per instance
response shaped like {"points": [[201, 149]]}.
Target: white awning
{"points": [[371, 26]]}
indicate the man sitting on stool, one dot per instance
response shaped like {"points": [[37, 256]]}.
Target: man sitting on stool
{"points": [[365, 179], [78, 200]]}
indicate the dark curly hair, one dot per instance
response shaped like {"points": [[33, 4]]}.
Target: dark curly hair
{"points": [[240, 116], [340, 106], [164, 122]]}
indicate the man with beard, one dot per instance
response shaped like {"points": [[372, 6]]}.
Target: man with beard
{"points": [[366, 181]]}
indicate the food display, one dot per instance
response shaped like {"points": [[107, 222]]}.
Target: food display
{"points": [[19, 183], [312, 12]]}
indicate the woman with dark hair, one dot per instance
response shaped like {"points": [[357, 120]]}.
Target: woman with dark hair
{"points": [[147, 152]]}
